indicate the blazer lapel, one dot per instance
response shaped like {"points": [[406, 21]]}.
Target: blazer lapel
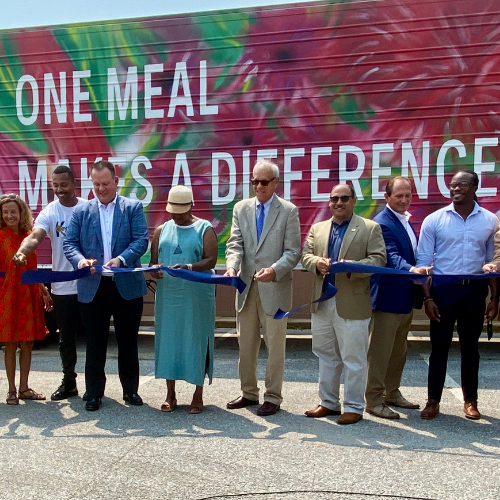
{"points": [[117, 221], [95, 219], [322, 240], [352, 231], [400, 227], [271, 217], [250, 220]]}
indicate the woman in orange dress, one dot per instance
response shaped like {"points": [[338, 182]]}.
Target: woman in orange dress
{"points": [[21, 307]]}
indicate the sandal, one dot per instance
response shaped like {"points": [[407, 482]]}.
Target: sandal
{"points": [[31, 394], [167, 407], [12, 398], [194, 409]]}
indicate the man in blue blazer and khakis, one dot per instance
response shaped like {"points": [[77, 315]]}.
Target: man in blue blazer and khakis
{"points": [[393, 300], [110, 230]]}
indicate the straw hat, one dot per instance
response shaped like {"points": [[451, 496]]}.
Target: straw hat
{"points": [[180, 200]]}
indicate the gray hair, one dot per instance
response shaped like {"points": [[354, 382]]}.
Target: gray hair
{"points": [[269, 164]]}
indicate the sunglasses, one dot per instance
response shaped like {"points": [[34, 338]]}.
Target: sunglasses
{"points": [[255, 182], [343, 199], [461, 185], [10, 196]]}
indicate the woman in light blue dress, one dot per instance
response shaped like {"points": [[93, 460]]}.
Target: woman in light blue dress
{"points": [[184, 310]]}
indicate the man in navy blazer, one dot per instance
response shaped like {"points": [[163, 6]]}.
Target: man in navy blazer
{"points": [[110, 230], [393, 300]]}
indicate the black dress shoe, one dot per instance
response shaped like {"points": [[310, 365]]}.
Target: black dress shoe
{"points": [[133, 399], [64, 392], [93, 404], [267, 409], [241, 402]]}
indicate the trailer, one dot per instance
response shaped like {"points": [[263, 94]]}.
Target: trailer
{"points": [[333, 91]]}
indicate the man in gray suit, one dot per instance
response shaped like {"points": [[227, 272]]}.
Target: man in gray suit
{"points": [[263, 249]]}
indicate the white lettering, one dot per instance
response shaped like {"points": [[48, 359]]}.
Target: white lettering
{"points": [[129, 94], [487, 166], [246, 174], [352, 175], [452, 143], [134, 169], [288, 175], [150, 91], [35, 100], [59, 102], [408, 159], [377, 170], [180, 77], [33, 192], [317, 174], [181, 167], [204, 109], [79, 96], [229, 197]]}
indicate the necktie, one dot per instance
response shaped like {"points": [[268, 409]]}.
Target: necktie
{"points": [[260, 220]]}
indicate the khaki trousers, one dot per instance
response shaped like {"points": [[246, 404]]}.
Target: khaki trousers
{"points": [[386, 356], [248, 323]]}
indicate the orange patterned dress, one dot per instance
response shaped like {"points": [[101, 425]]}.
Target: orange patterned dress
{"points": [[21, 306]]}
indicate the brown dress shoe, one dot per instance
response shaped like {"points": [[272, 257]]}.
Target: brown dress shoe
{"points": [[471, 411], [349, 418], [267, 409], [402, 402], [320, 412], [241, 402], [431, 410]]}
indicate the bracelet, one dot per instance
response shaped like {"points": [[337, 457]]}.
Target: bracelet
{"points": [[428, 299], [189, 266]]}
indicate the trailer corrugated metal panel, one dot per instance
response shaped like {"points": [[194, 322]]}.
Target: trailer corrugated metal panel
{"points": [[350, 91]]}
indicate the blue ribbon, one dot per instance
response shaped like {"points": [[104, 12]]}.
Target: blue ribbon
{"points": [[328, 293], [352, 267], [47, 276]]}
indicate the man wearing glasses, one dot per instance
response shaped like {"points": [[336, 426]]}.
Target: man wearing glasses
{"points": [[340, 325], [263, 249], [457, 239]]}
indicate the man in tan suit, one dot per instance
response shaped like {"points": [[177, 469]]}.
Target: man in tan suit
{"points": [[263, 249], [340, 325]]}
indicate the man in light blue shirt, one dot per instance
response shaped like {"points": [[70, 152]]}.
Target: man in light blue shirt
{"points": [[457, 239]]}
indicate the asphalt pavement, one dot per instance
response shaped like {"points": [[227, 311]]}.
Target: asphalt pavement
{"points": [[57, 450]]}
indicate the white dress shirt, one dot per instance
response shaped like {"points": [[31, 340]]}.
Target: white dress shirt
{"points": [[405, 221]]}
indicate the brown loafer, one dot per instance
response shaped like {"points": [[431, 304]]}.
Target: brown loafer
{"points": [[471, 411], [320, 412], [348, 418], [431, 410], [241, 402], [267, 409]]}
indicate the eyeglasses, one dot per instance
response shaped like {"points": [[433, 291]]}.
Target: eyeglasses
{"points": [[10, 196], [461, 185], [343, 199], [255, 182]]}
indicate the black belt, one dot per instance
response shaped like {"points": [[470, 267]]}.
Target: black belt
{"points": [[112, 278]]}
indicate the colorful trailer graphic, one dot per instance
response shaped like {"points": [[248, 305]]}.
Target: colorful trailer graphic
{"points": [[350, 91]]}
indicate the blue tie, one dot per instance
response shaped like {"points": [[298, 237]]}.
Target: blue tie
{"points": [[260, 220]]}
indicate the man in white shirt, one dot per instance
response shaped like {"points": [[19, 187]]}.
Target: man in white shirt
{"points": [[53, 221]]}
